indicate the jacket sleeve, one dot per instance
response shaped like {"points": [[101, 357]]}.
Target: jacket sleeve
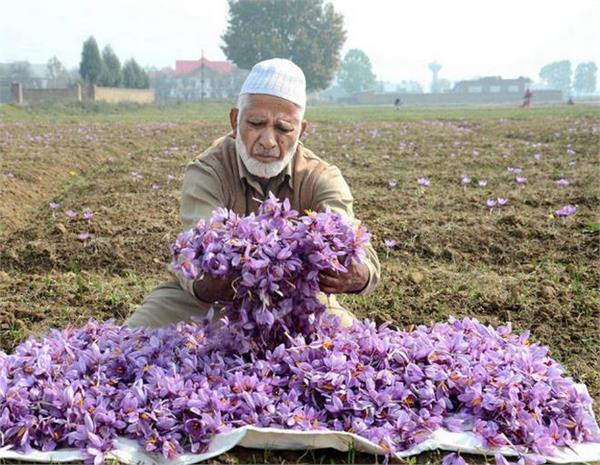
{"points": [[331, 190], [201, 194]]}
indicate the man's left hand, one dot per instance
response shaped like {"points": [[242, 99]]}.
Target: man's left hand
{"points": [[353, 280]]}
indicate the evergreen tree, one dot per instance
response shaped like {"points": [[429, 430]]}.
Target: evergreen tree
{"points": [[111, 69], [134, 76], [90, 66]]}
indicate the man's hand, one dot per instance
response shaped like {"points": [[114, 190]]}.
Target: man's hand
{"points": [[354, 280], [209, 289]]}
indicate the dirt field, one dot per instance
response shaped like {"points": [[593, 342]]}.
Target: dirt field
{"points": [[453, 254]]}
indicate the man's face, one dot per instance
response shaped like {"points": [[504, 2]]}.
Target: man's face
{"points": [[269, 129]]}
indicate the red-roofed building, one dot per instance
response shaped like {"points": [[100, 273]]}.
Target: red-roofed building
{"points": [[183, 67], [197, 79]]}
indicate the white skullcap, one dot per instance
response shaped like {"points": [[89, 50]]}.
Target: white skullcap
{"points": [[277, 77]]}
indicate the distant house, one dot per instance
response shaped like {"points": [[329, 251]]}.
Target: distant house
{"points": [[193, 80], [492, 85]]}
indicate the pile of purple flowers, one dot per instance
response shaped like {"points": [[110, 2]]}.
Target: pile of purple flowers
{"points": [[276, 359], [274, 258], [172, 389]]}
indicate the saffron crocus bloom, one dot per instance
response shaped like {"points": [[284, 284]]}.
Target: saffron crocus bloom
{"points": [[514, 170], [155, 187], [170, 178], [84, 236], [453, 459], [538, 156], [423, 182], [491, 203], [502, 201], [570, 152], [465, 180], [565, 211], [53, 205], [562, 182], [71, 214], [521, 179], [135, 176], [389, 243], [482, 182], [87, 214], [392, 183]]}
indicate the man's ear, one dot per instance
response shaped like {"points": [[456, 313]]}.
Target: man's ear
{"points": [[303, 127], [233, 115]]}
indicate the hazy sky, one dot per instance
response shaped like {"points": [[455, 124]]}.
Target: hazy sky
{"points": [[469, 38]]}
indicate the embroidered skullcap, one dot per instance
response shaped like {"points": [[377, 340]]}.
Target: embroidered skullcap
{"points": [[278, 77]]}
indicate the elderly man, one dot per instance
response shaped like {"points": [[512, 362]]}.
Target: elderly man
{"points": [[262, 154]]}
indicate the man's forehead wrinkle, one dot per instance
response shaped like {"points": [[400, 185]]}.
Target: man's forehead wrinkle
{"points": [[271, 105], [263, 115]]}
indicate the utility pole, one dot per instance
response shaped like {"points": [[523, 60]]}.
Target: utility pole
{"points": [[202, 77]]}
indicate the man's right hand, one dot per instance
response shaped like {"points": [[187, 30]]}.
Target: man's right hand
{"points": [[209, 289]]}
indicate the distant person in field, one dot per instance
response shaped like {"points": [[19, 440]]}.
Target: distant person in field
{"points": [[527, 97], [397, 103], [261, 154]]}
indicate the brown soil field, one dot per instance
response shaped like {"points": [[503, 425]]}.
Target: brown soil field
{"points": [[453, 254]]}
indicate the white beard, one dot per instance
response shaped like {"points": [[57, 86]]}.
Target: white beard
{"points": [[258, 168]]}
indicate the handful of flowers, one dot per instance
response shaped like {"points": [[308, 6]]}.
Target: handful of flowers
{"points": [[274, 257]]}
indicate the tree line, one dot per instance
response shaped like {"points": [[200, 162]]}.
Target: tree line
{"points": [[310, 33], [559, 75], [105, 70]]}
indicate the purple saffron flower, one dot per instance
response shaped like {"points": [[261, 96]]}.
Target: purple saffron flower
{"points": [[453, 459], [53, 205], [562, 182], [502, 201], [155, 187], [389, 243], [465, 180], [392, 183], [71, 214], [491, 203], [135, 176], [521, 180], [87, 214], [425, 182], [565, 211], [570, 152], [514, 170], [538, 156], [482, 182], [84, 236]]}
